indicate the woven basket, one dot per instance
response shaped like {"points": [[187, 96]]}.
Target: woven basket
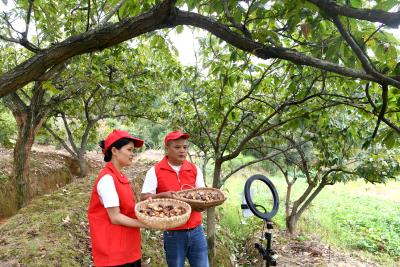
{"points": [[165, 222], [200, 204]]}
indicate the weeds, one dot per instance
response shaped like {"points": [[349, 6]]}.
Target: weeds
{"points": [[355, 222]]}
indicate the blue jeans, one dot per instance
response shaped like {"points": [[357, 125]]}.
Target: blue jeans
{"points": [[182, 244]]}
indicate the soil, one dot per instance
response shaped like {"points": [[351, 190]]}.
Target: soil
{"points": [[291, 251]]}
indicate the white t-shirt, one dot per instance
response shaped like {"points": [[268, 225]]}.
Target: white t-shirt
{"points": [[107, 192], [150, 182]]}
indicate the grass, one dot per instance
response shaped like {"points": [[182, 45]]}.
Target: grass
{"points": [[356, 217], [357, 222], [53, 231]]}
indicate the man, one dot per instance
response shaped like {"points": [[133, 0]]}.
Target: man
{"points": [[175, 173]]}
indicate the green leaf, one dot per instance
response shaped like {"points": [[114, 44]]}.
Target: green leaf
{"points": [[396, 70], [47, 85], [390, 139], [191, 4], [179, 29], [386, 4], [356, 3]]}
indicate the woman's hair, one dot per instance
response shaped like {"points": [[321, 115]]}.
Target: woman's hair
{"points": [[117, 144]]}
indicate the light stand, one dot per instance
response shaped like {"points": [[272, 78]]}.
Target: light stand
{"points": [[268, 255], [266, 252]]}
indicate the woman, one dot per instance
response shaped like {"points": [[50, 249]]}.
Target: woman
{"points": [[114, 229]]}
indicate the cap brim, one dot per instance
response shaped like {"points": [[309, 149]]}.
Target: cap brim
{"points": [[184, 135], [138, 142]]}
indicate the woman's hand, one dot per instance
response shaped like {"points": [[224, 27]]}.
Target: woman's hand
{"points": [[116, 217]]}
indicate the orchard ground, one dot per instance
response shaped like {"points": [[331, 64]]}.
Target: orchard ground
{"points": [[52, 230]]}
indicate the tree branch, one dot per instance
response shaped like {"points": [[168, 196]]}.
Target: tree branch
{"points": [[28, 20], [59, 139], [201, 122], [88, 16], [368, 67], [267, 157], [383, 109], [391, 19], [162, 16], [264, 51], [236, 24], [112, 12], [92, 40], [70, 136]]}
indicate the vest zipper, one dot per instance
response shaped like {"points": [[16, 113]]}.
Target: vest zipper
{"points": [[179, 181]]}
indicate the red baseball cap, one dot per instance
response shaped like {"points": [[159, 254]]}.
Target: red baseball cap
{"points": [[119, 134], [174, 136]]}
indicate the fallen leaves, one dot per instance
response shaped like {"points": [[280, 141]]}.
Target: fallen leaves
{"points": [[298, 252]]}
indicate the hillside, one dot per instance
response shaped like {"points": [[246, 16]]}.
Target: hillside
{"points": [[53, 231]]}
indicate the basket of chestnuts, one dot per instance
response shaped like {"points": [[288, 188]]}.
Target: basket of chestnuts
{"points": [[201, 198], [163, 213]]}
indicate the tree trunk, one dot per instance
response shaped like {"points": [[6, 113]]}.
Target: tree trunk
{"points": [[22, 155], [29, 119], [288, 196], [212, 251], [211, 236], [291, 223], [204, 166], [83, 166]]}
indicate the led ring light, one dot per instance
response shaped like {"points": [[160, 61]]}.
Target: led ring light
{"points": [[253, 207]]}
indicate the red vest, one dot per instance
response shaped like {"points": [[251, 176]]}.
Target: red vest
{"points": [[167, 180], [113, 244]]}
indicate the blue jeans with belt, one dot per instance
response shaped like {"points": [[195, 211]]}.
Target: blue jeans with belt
{"points": [[181, 244]]}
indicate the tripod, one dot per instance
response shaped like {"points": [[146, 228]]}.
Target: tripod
{"points": [[266, 252]]}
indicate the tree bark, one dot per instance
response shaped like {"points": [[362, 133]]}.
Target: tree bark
{"points": [[291, 223], [162, 16], [211, 236], [29, 119], [83, 166], [212, 250], [288, 196], [22, 155]]}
